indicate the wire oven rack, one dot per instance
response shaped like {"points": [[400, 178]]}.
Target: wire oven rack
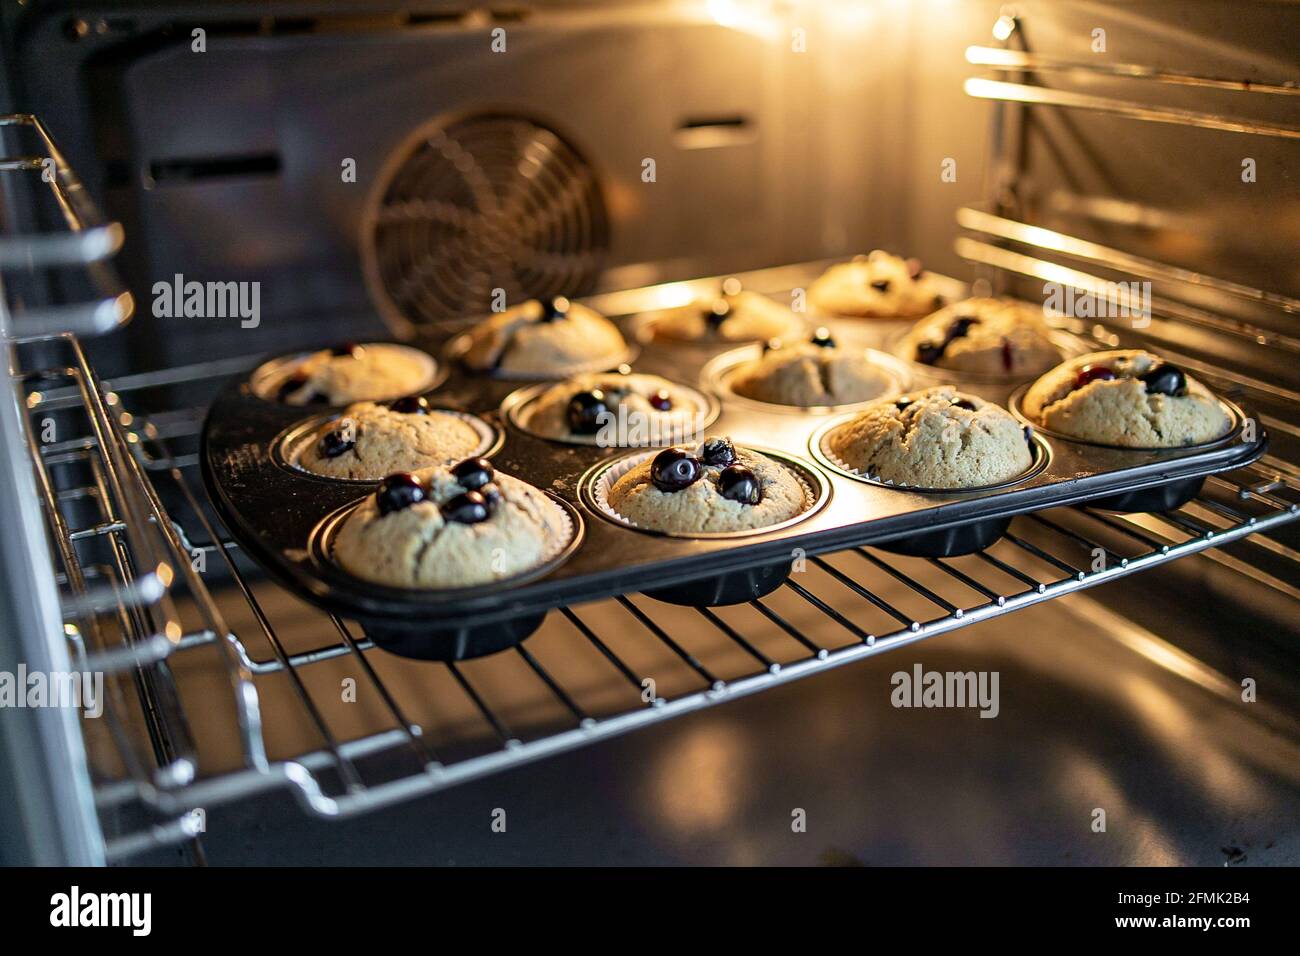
{"points": [[159, 597]]}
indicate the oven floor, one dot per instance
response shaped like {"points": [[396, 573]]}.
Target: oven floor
{"points": [[1094, 714]]}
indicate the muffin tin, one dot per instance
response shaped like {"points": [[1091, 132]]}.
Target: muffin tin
{"points": [[283, 516]]}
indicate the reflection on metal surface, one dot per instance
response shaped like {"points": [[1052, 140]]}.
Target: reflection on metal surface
{"points": [[1000, 59], [1043, 96], [700, 783]]}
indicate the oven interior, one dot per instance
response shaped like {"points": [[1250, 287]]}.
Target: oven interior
{"points": [[1148, 661]]}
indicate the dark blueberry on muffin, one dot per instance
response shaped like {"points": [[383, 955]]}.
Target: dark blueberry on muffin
{"points": [[586, 412], [718, 312], [398, 491], [556, 308], [473, 473], [1164, 379], [928, 353], [410, 405], [469, 508], [719, 452], [674, 469], [738, 483], [661, 401], [963, 403], [347, 349], [822, 338], [771, 345], [881, 285], [902, 403], [337, 442]]}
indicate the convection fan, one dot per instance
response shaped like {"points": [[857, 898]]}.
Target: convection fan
{"points": [[469, 206]]}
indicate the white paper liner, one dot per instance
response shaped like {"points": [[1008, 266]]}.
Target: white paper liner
{"points": [[604, 480], [555, 546], [521, 413], [487, 441], [824, 447]]}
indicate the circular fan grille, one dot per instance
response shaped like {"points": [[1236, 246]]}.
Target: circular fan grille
{"points": [[484, 203]]}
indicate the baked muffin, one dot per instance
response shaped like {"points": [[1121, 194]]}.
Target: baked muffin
{"points": [[994, 337], [936, 438], [352, 373], [734, 315], [545, 339], [1129, 398], [812, 372], [613, 410], [370, 441], [710, 487], [878, 285], [450, 527]]}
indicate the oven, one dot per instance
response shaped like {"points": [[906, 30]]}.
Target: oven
{"points": [[1146, 661]]}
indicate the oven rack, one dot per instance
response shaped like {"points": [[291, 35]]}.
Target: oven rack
{"points": [[113, 510], [71, 262]]}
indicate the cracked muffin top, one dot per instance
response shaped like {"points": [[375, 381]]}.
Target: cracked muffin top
{"points": [[450, 527], [547, 339], [811, 373], [369, 441], [734, 315], [1128, 398], [351, 373], [936, 438], [711, 487], [995, 337], [615, 410], [878, 285]]}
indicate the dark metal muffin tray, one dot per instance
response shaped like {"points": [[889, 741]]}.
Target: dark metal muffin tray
{"points": [[274, 511]]}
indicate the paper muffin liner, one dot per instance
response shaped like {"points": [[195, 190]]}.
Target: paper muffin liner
{"points": [[601, 480], [821, 446], [556, 550], [288, 448], [268, 376], [519, 407]]}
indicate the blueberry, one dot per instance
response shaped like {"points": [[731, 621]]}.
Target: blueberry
{"points": [[771, 345], [1092, 373], [1008, 359], [1164, 379], [963, 403], [881, 285], [469, 508], [398, 491], [290, 385], [718, 312], [902, 403], [556, 308], [960, 326], [718, 452], [1029, 435], [410, 405], [674, 469], [473, 473], [585, 412], [822, 338], [347, 350], [491, 494], [738, 483], [927, 353], [336, 442], [661, 401]]}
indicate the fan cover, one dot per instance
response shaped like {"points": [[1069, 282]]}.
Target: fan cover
{"points": [[483, 203]]}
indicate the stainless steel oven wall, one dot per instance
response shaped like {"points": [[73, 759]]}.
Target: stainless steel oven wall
{"points": [[776, 132]]}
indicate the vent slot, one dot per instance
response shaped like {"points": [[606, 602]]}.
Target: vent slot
{"points": [[214, 167]]}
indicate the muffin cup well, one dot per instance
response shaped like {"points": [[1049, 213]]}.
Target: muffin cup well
{"points": [[268, 376], [410, 625], [1165, 496], [455, 349], [287, 448], [518, 406], [944, 542], [718, 373], [733, 587]]}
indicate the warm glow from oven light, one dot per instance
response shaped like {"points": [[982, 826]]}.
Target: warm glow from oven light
{"points": [[747, 16]]}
